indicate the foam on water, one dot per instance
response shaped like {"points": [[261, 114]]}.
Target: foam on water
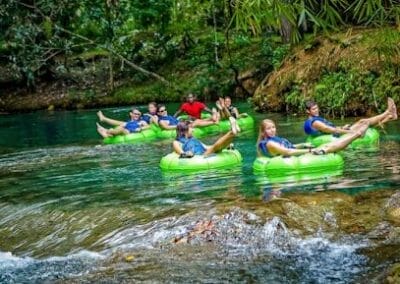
{"points": [[241, 242], [14, 269]]}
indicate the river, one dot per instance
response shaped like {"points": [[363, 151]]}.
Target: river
{"points": [[73, 210]]}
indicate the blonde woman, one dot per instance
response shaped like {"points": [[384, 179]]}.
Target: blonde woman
{"points": [[270, 145]]}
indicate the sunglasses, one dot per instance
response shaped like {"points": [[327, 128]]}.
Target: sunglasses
{"points": [[161, 110]]}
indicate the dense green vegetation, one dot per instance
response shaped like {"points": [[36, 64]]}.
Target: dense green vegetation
{"points": [[348, 73], [137, 50]]}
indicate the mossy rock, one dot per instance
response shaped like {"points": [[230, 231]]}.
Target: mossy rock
{"points": [[393, 274]]}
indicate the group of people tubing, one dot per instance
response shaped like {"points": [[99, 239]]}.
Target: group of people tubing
{"points": [[268, 143]]}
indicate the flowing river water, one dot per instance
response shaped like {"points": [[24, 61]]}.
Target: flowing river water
{"points": [[73, 210]]}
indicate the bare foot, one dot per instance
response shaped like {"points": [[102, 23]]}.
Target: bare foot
{"points": [[363, 126], [392, 108], [234, 126], [102, 131], [100, 115], [215, 116]]}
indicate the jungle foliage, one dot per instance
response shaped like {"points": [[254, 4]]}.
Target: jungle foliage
{"points": [[363, 72], [141, 40]]}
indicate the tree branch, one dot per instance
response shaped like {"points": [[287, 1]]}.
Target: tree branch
{"points": [[128, 62]]}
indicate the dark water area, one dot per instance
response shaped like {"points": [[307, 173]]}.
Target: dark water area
{"points": [[75, 210]]}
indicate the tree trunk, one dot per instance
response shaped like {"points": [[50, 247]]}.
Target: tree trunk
{"points": [[286, 30], [111, 73]]}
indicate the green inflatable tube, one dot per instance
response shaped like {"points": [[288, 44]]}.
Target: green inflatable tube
{"points": [[245, 122], [155, 132], [203, 116], [136, 137], [370, 139], [303, 164], [223, 159], [171, 133]]}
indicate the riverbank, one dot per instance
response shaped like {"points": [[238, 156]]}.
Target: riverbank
{"points": [[349, 73], [85, 83]]}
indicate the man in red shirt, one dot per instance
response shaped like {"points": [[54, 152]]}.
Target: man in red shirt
{"points": [[194, 108]]}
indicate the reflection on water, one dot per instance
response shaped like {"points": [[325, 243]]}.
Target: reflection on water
{"points": [[72, 208]]}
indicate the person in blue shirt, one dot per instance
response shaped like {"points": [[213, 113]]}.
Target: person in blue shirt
{"points": [[187, 146], [316, 125], [151, 115], [135, 124], [270, 145], [166, 121]]}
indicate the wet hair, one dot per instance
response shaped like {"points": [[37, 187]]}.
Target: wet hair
{"points": [[309, 104], [153, 104], [135, 108], [160, 106], [181, 129], [261, 131]]}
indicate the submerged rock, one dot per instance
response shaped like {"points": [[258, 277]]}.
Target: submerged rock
{"points": [[392, 208], [393, 275]]}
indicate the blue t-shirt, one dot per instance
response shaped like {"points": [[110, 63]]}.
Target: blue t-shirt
{"points": [[171, 119], [231, 111], [308, 129], [132, 125], [147, 117], [262, 145], [193, 145]]}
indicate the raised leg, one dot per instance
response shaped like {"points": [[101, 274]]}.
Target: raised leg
{"points": [[102, 131], [225, 140], [345, 140], [380, 119], [111, 132], [110, 121]]}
